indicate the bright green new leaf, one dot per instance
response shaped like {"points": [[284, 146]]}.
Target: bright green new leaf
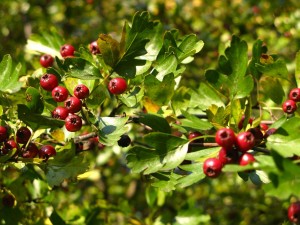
{"points": [[109, 48], [9, 75]]}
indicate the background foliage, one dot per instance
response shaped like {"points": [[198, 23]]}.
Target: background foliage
{"points": [[109, 193]]}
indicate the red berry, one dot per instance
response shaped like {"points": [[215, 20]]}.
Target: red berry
{"points": [[60, 112], [8, 146], [289, 106], [264, 126], [23, 135], [295, 94], [245, 141], [73, 104], [67, 50], [47, 151], [31, 151], [48, 81], [212, 167], [117, 85], [94, 48], [193, 135], [81, 91], [60, 94], [246, 159], [228, 156], [73, 123], [3, 133], [241, 122], [258, 135], [294, 212], [225, 137], [46, 60]]}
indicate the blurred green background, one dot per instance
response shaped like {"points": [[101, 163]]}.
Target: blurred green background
{"points": [[111, 195]]}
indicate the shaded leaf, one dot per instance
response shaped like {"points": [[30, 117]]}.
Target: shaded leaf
{"points": [[156, 122], [109, 48]]}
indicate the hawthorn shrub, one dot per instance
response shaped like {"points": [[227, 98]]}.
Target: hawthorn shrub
{"points": [[125, 99]]}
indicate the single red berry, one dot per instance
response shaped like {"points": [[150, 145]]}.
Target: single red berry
{"points": [[60, 94], [117, 85], [81, 91], [295, 94], [3, 133], [225, 137], [73, 104], [245, 141], [264, 126], [67, 50], [258, 135], [94, 48], [48, 81], [46, 60], [269, 132], [241, 122], [246, 159], [195, 134], [8, 146], [289, 106], [23, 135], [294, 212], [47, 151], [60, 112], [226, 156], [31, 151], [212, 167], [73, 123], [8, 200]]}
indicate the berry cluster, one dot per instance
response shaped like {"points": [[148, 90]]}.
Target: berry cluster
{"points": [[290, 105], [21, 141]]}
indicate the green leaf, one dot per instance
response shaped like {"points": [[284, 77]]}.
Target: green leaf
{"points": [[97, 96], [7, 156], [286, 139], [9, 75], [272, 89], [166, 182], [34, 100], [191, 216], [133, 98], [166, 66], [276, 69], [109, 48], [218, 81], [196, 174], [169, 151], [193, 122], [155, 121], [111, 129], [181, 99], [257, 50], [151, 195], [56, 219], [297, 70], [188, 47]]}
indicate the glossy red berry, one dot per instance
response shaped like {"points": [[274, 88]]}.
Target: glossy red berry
{"points": [[124, 141], [294, 212], [295, 94], [225, 137], [241, 122], [67, 50], [264, 126], [212, 167], [73, 123], [46, 60], [245, 141], [94, 48], [60, 112], [117, 85], [195, 134], [47, 151], [246, 159], [3, 133], [23, 135], [8, 146], [73, 104], [81, 91], [48, 81], [228, 156], [289, 106], [31, 151], [60, 94]]}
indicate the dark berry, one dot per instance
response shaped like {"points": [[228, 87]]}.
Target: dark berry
{"points": [[241, 122], [193, 135], [73, 123], [212, 167], [60, 112], [81, 91], [23, 135], [295, 94], [246, 159], [94, 48], [8, 200], [225, 137], [294, 212], [3, 133], [47, 151], [124, 141], [289, 106], [228, 156], [117, 85], [73, 104], [31, 151], [245, 141], [67, 50], [48, 81], [269, 132], [46, 60], [60, 94], [258, 135]]}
